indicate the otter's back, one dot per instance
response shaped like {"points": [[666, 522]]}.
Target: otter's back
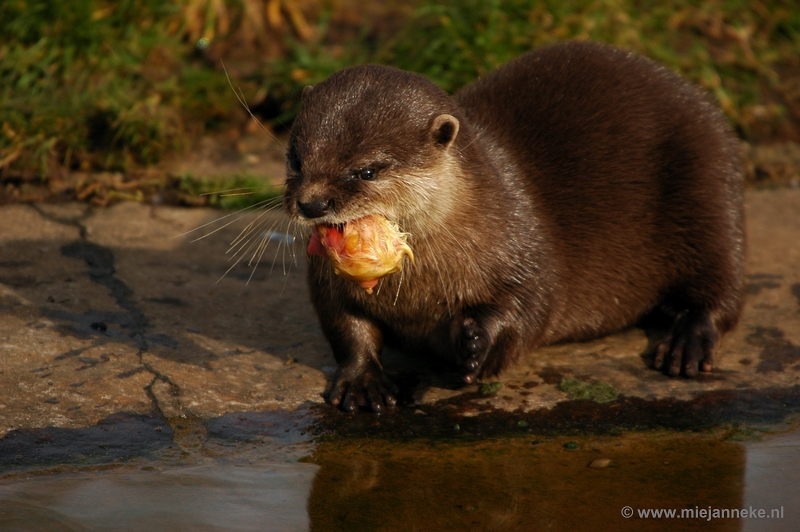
{"points": [[631, 170]]}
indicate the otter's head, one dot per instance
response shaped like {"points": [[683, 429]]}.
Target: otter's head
{"points": [[374, 140]]}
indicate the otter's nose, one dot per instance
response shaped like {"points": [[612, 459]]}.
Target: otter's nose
{"points": [[315, 209]]}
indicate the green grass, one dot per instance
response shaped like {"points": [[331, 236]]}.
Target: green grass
{"points": [[731, 48], [114, 85], [73, 92]]}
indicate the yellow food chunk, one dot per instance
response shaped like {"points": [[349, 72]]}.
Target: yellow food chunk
{"points": [[365, 250]]}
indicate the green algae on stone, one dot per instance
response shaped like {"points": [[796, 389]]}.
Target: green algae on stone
{"points": [[489, 388], [599, 392]]}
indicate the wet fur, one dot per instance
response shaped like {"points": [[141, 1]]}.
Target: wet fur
{"points": [[561, 197]]}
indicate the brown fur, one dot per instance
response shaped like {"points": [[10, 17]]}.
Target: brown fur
{"points": [[561, 197]]}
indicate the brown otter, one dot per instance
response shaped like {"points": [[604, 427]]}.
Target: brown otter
{"points": [[560, 197]]}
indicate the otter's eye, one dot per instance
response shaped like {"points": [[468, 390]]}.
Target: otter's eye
{"points": [[366, 174]]}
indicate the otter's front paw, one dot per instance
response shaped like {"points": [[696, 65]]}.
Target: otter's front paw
{"points": [[355, 386], [689, 345], [473, 346]]}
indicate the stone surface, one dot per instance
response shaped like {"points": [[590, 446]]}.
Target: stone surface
{"points": [[123, 310], [134, 317]]}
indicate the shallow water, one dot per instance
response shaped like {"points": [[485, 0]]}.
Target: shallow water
{"points": [[523, 483], [209, 498], [772, 480], [518, 483]]}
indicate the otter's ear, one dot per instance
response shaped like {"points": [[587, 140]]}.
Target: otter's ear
{"points": [[307, 90], [444, 130]]}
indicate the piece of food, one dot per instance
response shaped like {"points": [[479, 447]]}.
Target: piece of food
{"points": [[362, 250]]}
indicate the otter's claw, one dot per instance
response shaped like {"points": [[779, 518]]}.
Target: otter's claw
{"points": [[473, 347], [689, 347], [356, 387]]}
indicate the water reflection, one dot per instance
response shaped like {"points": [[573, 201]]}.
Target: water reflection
{"points": [[520, 483], [207, 498]]}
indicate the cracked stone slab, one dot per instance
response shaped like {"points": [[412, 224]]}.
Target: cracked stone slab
{"points": [[245, 340], [51, 372], [116, 310], [127, 309]]}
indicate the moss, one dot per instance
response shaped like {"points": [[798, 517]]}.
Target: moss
{"points": [[599, 392], [489, 388]]}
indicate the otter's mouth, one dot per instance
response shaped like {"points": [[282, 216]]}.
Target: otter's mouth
{"points": [[362, 250]]}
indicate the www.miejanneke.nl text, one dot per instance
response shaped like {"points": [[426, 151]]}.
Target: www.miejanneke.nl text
{"points": [[708, 513]]}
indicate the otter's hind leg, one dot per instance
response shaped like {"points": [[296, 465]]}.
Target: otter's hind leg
{"points": [[694, 336], [704, 239]]}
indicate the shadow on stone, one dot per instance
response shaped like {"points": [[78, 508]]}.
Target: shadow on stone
{"points": [[118, 436]]}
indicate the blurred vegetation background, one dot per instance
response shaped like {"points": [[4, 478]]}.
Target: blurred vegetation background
{"points": [[106, 100]]}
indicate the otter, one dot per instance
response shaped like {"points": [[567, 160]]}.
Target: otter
{"points": [[561, 197]]}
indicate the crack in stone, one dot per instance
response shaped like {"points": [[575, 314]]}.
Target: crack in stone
{"points": [[101, 271], [175, 390], [82, 232], [188, 431]]}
